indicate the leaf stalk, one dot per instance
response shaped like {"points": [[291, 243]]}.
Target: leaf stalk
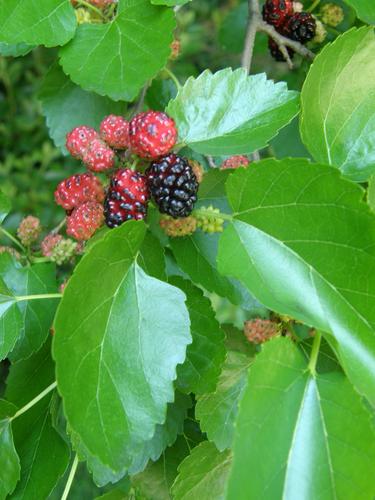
{"points": [[315, 353], [34, 401]]}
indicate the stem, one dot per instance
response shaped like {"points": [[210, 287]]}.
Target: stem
{"points": [[255, 24], [91, 7], [70, 478], [252, 27], [141, 99], [313, 6], [59, 226], [34, 401], [39, 260], [174, 78], [22, 298], [207, 213], [284, 41], [314, 353], [12, 238]]}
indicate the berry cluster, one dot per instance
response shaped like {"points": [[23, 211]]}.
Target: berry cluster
{"points": [[290, 22], [170, 180]]}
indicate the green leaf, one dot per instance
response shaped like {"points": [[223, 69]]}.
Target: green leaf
{"points": [[118, 58], [79, 106], [212, 190], [234, 22], [170, 3], [116, 357], [217, 410], [155, 482], [230, 112], [5, 206], [205, 356], [300, 436], [9, 461], [371, 193], [46, 22], [196, 256], [29, 319], [151, 257], [165, 435], [365, 9], [113, 495], [160, 93], [10, 319], [203, 474], [303, 243], [15, 50], [27, 378], [44, 455], [338, 111], [237, 342]]}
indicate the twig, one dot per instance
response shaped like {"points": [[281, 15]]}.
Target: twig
{"points": [[138, 107], [255, 24], [91, 7], [284, 41], [59, 226], [251, 31], [211, 162]]}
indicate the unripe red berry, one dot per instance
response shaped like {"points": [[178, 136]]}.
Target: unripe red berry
{"points": [[114, 130], [127, 198], [99, 157], [260, 330], [152, 134], [78, 189], [85, 220], [78, 140], [236, 162]]}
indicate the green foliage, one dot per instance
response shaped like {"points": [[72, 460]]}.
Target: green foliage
{"points": [[237, 114], [365, 9], [294, 426], [337, 121], [203, 474], [47, 22], [88, 343], [270, 241], [9, 461], [58, 93], [118, 58], [137, 381]]}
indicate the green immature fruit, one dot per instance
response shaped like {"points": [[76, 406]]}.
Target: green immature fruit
{"points": [[209, 220], [332, 14], [63, 251]]}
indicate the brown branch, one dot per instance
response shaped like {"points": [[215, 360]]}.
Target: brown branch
{"points": [[255, 24], [283, 41]]}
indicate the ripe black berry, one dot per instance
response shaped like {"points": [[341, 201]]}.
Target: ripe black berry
{"points": [[301, 27], [173, 185], [276, 52]]}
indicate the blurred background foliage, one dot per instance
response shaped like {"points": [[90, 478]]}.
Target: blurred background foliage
{"points": [[212, 34]]}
